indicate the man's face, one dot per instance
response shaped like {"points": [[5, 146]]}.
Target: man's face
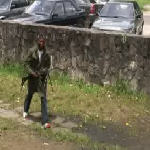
{"points": [[41, 45]]}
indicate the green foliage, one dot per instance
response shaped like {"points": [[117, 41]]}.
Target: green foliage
{"points": [[12, 69], [143, 2]]}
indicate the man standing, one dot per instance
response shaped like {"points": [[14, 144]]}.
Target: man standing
{"points": [[37, 66]]}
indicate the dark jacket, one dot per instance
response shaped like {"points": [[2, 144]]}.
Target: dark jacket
{"points": [[32, 64]]}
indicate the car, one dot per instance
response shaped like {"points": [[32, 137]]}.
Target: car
{"points": [[120, 16], [9, 8], [56, 12]]}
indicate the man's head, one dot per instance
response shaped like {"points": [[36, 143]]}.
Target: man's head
{"points": [[41, 44]]}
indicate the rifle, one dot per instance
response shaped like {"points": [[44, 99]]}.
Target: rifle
{"points": [[50, 81], [24, 79]]}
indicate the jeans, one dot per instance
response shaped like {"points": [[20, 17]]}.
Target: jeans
{"points": [[44, 111]]}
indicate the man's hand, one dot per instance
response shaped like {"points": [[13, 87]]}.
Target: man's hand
{"points": [[34, 74]]}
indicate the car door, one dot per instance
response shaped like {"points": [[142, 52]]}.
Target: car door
{"points": [[58, 14], [72, 14], [139, 21]]}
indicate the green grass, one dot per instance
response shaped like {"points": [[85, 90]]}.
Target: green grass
{"points": [[76, 98], [7, 125], [90, 102], [143, 2]]}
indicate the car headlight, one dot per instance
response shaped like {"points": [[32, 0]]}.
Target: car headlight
{"points": [[2, 17]]}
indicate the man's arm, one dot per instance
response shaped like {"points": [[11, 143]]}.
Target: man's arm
{"points": [[27, 64]]}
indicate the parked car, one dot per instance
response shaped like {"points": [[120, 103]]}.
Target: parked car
{"points": [[123, 16], [58, 12], [9, 8]]}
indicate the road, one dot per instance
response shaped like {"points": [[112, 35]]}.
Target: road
{"points": [[146, 29]]}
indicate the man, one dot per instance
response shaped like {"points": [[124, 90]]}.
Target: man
{"points": [[37, 66]]}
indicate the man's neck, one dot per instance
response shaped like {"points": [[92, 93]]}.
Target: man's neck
{"points": [[40, 51]]}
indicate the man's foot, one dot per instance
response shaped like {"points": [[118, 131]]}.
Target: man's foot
{"points": [[25, 115], [47, 125]]}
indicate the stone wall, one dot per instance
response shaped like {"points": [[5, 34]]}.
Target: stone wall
{"points": [[94, 56]]}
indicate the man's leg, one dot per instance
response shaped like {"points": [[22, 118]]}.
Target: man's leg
{"points": [[27, 102], [44, 111]]}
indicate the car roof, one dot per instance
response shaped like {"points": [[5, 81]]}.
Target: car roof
{"points": [[122, 1], [53, 0]]}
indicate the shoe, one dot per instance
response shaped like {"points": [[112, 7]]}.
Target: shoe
{"points": [[25, 115], [47, 125]]}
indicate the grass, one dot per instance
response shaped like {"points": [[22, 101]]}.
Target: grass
{"points": [[7, 125], [89, 102], [143, 2], [74, 97], [12, 128]]}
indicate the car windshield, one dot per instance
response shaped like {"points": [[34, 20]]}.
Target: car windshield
{"points": [[117, 10], [40, 7], [83, 1], [100, 1], [5, 4]]}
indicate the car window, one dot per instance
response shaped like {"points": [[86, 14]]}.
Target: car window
{"points": [[69, 8], [84, 2], [125, 10], [59, 9], [5, 4], [39, 7], [19, 3]]}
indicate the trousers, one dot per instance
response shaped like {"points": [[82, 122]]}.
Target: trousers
{"points": [[44, 110]]}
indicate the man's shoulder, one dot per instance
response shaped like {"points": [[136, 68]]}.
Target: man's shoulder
{"points": [[32, 51]]}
